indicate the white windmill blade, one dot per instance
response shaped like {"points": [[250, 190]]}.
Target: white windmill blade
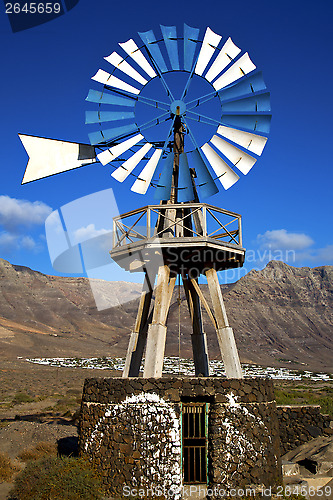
{"points": [[131, 48], [252, 142], [240, 68], [118, 62], [107, 79], [209, 44], [142, 183], [228, 52], [129, 165], [50, 156], [241, 160], [226, 175], [112, 153]]}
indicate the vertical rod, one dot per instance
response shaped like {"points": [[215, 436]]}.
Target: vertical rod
{"points": [[148, 222], [204, 220], [114, 227], [240, 235]]}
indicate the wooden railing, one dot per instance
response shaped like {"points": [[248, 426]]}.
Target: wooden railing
{"points": [[191, 220]]}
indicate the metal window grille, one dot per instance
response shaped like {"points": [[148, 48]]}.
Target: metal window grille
{"points": [[194, 442]]}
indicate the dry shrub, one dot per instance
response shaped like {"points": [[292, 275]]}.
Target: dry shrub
{"points": [[22, 397], [41, 450], [7, 469], [55, 478]]}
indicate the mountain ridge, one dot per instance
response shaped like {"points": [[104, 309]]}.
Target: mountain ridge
{"points": [[281, 316]]}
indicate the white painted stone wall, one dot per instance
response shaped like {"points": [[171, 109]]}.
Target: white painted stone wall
{"points": [[150, 418]]}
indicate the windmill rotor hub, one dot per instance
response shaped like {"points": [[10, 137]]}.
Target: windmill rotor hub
{"points": [[178, 107]]}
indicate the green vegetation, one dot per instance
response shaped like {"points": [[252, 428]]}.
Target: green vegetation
{"points": [[311, 394], [57, 479], [22, 397], [7, 469]]}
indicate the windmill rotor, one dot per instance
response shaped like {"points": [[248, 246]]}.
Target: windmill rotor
{"points": [[234, 87], [221, 101]]}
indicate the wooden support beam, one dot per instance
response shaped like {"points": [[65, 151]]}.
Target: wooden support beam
{"points": [[198, 337], [171, 287], [224, 333], [157, 329], [138, 336], [204, 302]]}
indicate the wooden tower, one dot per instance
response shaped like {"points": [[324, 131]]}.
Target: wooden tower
{"points": [[180, 229]]}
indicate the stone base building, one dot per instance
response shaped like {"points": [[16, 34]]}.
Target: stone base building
{"points": [[150, 437]]}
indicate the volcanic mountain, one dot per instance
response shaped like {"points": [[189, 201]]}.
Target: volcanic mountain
{"points": [[281, 316]]}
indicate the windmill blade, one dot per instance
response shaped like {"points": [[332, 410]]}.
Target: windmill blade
{"points": [[150, 42], [112, 81], [191, 36], [112, 153], [204, 180], [256, 103], [103, 136], [237, 157], [170, 39], [106, 98], [49, 156], [107, 116], [255, 123], [163, 189], [131, 48], [240, 68], [185, 186], [247, 85], [141, 185], [226, 175], [122, 172], [119, 62], [228, 52], [252, 142], [209, 44]]}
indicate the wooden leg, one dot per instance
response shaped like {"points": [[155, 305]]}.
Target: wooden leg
{"points": [[198, 337], [138, 337], [225, 334], [157, 329]]}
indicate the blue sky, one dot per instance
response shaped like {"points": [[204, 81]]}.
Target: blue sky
{"points": [[286, 199]]}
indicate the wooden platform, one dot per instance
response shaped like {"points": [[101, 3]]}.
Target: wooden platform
{"points": [[188, 237]]}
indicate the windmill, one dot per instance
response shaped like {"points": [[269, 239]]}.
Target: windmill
{"points": [[184, 115]]}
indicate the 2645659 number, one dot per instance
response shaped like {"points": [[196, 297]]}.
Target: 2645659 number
{"points": [[306, 491], [33, 8]]}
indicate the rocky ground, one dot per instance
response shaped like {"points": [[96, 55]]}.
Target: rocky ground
{"points": [[310, 467], [38, 404]]}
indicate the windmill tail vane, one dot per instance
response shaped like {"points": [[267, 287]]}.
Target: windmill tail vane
{"points": [[234, 86]]}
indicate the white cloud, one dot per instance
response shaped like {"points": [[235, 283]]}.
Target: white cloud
{"points": [[317, 256], [8, 242], [281, 239], [88, 232], [28, 243], [15, 212], [326, 254]]}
